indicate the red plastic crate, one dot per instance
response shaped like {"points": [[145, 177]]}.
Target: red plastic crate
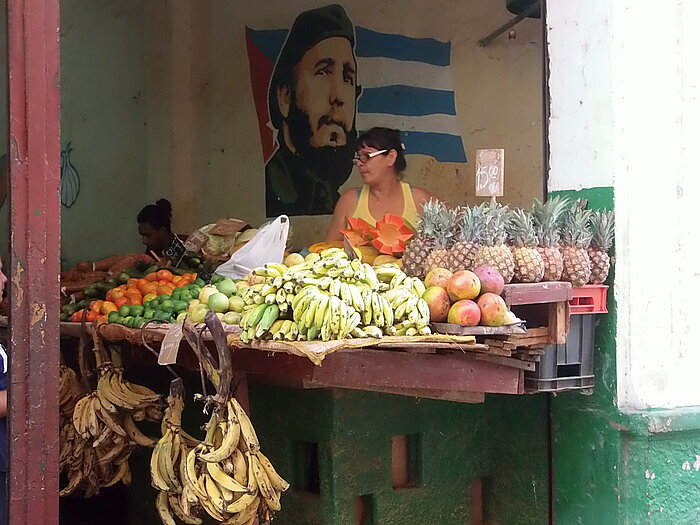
{"points": [[590, 299]]}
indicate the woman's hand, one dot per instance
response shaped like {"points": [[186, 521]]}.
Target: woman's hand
{"points": [[343, 209]]}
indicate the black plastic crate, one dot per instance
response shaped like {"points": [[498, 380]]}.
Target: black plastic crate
{"points": [[568, 366]]}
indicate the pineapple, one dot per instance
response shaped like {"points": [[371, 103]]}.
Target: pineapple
{"points": [[575, 239], [445, 221], [417, 251], [529, 265], [547, 219], [464, 250], [603, 224], [493, 250]]}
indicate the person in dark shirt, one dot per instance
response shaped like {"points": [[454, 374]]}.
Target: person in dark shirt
{"points": [[154, 226]]}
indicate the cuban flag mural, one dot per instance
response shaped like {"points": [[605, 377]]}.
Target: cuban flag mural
{"points": [[382, 79]]}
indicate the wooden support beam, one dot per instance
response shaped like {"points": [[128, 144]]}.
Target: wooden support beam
{"points": [[35, 217]]}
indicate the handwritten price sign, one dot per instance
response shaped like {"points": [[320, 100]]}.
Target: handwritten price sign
{"points": [[489, 172]]}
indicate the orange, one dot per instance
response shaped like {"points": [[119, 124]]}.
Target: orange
{"points": [[132, 283], [176, 279], [141, 284], [165, 275], [95, 306], [108, 306], [150, 288], [116, 293], [164, 288], [120, 302], [134, 300], [151, 277]]}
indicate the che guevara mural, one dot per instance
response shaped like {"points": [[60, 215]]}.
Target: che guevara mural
{"points": [[318, 82]]}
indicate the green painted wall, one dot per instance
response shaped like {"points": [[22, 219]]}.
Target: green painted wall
{"points": [[103, 114], [585, 444], [503, 441], [103, 78], [611, 467]]}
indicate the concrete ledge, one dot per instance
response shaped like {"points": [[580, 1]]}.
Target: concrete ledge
{"points": [[659, 422]]}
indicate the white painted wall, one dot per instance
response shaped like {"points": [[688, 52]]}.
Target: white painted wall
{"points": [[642, 135], [580, 126]]}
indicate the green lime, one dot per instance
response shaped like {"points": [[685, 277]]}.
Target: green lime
{"points": [[129, 321], [186, 296], [112, 317], [199, 282], [136, 310], [180, 306], [177, 294], [163, 316], [216, 278], [138, 322], [148, 313], [153, 304], [167, 306], [124, 310], [163, 298]]}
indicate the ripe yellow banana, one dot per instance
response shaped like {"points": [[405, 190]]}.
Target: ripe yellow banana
{"points": [[230, 440], [163, 508], [180, 513], [223, 479], [279, 484], [214, 505], [241, 503], [240, 468], [247, 431]]}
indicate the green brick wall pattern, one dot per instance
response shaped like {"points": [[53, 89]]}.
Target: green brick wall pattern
{"points": [[613, 468], [503, 442]]}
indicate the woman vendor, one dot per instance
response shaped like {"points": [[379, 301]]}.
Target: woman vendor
{"points": [[154, 226], [381, 162]]}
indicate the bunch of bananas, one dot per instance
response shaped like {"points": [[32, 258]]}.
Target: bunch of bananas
{"points": [[225, 475], [98, 432], [332, 298], [69, 391]]}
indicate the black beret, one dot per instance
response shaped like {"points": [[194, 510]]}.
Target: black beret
{"points": [[309, 28]]}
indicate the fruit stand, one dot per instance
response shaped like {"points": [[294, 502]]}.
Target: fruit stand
{"points": [[453, 367], [340, 316]]}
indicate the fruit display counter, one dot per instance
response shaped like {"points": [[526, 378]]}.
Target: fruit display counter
{"points": [[460, 367], [452, 314]]}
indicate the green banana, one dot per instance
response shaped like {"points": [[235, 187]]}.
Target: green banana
{"points": [[269, 317], [320, 311], [256, 315]]}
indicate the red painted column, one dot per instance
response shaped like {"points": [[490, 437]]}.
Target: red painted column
{"points": [[34, 153]]}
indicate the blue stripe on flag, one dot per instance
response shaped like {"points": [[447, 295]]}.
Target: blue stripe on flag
{"points": [[441, 146], [428, 50], [269, 41], [407, 101]]}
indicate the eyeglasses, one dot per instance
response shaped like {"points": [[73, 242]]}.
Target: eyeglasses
{"points": [[366, 156]]}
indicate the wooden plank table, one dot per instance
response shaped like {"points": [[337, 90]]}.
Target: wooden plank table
{"points": [[438, 370]]}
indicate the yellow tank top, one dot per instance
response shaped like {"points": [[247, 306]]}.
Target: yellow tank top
{"points": [[409, 213]]}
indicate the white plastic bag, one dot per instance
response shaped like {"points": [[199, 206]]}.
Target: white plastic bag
{"points": [[268, 245]]}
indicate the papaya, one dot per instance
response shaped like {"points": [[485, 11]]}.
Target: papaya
{"points": [[320, 246]]}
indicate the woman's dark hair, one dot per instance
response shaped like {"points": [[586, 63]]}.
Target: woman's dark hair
{"points": [[157, 215], [384, 138]]}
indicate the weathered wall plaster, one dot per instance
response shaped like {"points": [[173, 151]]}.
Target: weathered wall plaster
{"points": [[209, 121], [625, 110]]}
